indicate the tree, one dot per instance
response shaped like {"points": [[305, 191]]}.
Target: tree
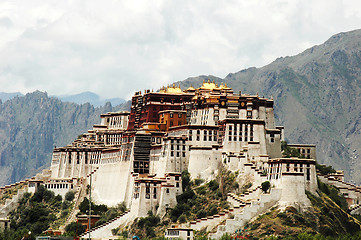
{"points": [[74, 229], [69, 196], [265, 186], [186, 179]]}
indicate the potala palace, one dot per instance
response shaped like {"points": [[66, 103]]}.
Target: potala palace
{"points": [[137, 157]]}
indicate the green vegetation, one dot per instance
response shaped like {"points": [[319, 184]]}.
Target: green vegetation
{"points": [[333, 193], [288, 151], [202, 201], [324, 170], [95, 208], [325, 220], [10, 192], [144, 227], [74, 229], [35, 214], [265, 186], [111, 213], [69, 196]]}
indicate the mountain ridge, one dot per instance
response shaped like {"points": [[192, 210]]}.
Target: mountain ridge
{"points": [[32, 125], [79, 98], [316, 94]]}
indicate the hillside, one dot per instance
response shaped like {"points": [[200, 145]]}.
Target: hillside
{"points": [[30, 127], [317, 96]]}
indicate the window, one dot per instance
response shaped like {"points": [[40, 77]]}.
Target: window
{"points": [[287, 167], [183, 154], [178, 154], [179, 115], [171, 115], [308, 174]]}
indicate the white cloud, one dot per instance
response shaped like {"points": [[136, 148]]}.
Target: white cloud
{"points": [[118, 47]]}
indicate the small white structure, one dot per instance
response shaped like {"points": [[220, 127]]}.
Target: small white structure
{"points": [[179, 233]]}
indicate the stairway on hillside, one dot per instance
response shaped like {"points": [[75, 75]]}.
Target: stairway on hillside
{"points": [[12, 203], [105, 230], [78, 198], [256, 207]]}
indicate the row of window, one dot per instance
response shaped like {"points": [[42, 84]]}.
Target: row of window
{"points": [[58, 186]]}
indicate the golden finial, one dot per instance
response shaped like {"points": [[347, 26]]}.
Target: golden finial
{"points": [[225, 85], [209, 81]]}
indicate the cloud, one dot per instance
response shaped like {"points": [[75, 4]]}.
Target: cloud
{"points": [[118, 47]]}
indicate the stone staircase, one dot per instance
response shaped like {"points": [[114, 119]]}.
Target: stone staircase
{"points": [[253, 209], [78, 198], [105, 230], [11, 204], [212, 221], [238, 204]]}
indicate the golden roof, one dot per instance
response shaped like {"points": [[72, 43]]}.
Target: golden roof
{"points": [[208, 85], [224, 86], [172, 89], [191, 88]]}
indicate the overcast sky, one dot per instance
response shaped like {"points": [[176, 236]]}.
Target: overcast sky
{"points": [[114, 48]]}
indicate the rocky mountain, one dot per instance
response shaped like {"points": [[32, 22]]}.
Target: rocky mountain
{"points": [[317, 97], [90, 97], [32, 125], [4, 96]]}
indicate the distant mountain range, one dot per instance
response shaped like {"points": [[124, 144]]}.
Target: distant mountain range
{"points": [[81, 98], [317, 97], [32, 125]]}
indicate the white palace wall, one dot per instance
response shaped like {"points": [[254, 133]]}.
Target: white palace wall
{"points": [[110, 183]]}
